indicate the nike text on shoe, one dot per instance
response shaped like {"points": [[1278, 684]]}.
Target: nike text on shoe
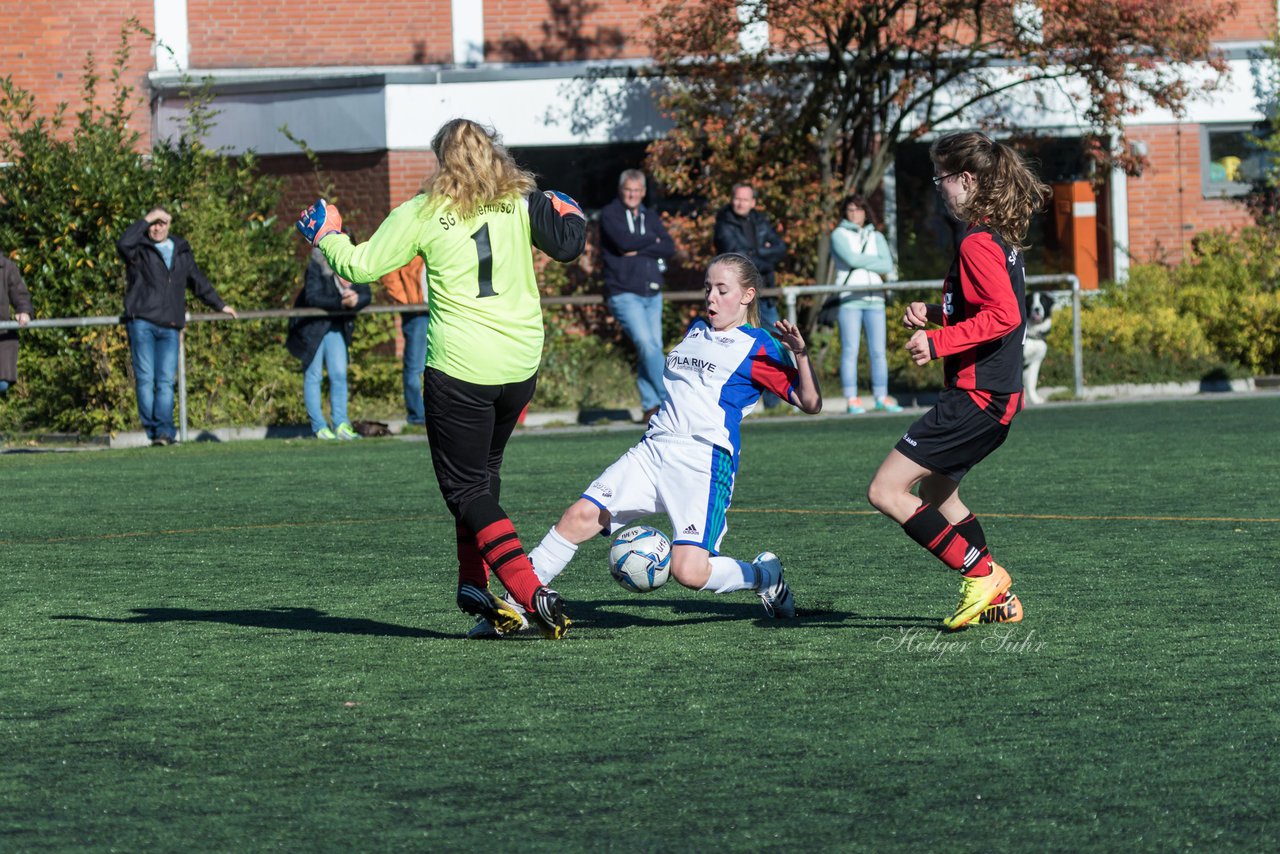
{"points": [[976, 594], [479, 602], [773, 591], [548, 613], [1008, 611]]}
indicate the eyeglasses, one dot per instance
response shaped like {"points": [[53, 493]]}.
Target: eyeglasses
{"points": [[938, 179]]}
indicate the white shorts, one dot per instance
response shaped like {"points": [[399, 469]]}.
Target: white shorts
{"points": [[688, 479]]}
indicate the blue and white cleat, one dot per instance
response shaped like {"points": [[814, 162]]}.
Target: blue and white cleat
{"points": [[773, 591]]}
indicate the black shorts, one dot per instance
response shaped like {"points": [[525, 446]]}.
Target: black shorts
{"points": [[468, 426], [953, 437]]}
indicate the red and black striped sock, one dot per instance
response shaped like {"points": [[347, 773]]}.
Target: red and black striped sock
{"points": [[471, 566], [931, 530], [971, 529], [501, 549]]}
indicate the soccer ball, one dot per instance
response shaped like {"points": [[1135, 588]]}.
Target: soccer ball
{"points": [[640, 559]]}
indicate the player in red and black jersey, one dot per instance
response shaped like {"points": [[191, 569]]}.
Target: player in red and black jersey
{"points": [[981, 326], [983, 320]]}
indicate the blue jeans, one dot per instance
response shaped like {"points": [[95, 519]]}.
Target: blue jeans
{"points": [[852, 321], [413, 326], [332, 354], [154, 351], [641, 319]]}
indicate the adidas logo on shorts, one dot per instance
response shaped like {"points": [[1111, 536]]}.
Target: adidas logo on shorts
{"points": [[692, 529]]}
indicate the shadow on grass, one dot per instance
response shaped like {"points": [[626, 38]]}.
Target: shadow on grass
{"points": [[587, 615], [618, 614], [291, 619]]}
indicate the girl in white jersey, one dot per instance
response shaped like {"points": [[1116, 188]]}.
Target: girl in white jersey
{"points": [[686, 462]]}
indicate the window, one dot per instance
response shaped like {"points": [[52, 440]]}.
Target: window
{"points": [[1231, 161], [589, 173]]}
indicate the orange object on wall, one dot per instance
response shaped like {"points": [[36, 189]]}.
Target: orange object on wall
{"points": [[1075, 220]]}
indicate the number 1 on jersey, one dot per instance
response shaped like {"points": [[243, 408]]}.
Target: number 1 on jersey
{"points": [[484, 254]]}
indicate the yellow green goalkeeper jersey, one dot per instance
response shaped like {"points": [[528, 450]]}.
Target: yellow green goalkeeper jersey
{"points": [[485, 324]]}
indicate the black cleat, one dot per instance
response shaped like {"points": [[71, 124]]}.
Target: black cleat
{"points": [[548, 613], [479, 602]]}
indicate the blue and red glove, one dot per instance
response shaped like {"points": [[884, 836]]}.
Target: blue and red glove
{"points": [[564, 203], [318, 221]]}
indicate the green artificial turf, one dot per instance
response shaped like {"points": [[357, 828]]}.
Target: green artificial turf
{"points": [[254, 646]]}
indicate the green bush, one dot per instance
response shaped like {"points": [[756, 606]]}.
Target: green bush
{"points": [[1216, 313], [583, 371], [73, 186]]}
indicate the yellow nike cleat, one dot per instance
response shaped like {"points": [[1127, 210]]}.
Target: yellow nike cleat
{"points": [[976, 594], [1008, 611]]}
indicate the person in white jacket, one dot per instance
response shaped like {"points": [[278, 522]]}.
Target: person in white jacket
{"points": [[862, 257]]}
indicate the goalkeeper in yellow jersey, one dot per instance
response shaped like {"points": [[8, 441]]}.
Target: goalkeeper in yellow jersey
{"points": [[473, 225]]}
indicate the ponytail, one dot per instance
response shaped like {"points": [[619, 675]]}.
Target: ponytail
{"points": [[1008, 193]]}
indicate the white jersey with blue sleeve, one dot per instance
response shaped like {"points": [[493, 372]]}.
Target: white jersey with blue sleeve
{"points": [[687, 462], [714, 379]]}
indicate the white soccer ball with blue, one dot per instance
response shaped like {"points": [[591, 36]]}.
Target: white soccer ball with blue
{"points": [[640, 559]]}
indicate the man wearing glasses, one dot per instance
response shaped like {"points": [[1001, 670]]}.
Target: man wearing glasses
{"points": [[160, 268]]}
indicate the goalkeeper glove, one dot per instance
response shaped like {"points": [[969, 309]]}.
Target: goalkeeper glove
{"points": [[564, 204], [318, 221]]}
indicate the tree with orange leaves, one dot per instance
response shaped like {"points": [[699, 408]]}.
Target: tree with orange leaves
{"points": [[809, 99]]}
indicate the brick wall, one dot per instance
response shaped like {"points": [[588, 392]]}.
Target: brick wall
{"points": [[1166, 205], [1256, 19], [239, 34], [406, 170], [561, 30], [359, 181], [44, 45]]}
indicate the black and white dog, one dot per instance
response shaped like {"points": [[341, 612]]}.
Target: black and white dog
{"points": [[1039, 319]]}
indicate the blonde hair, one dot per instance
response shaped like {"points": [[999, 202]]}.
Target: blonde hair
{"points": [[474, 168], [1008, 192], [748, 277]]}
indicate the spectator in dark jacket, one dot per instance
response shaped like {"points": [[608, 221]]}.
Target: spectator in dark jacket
{"points": [[408, 286], [160, 270], [743, 229], [15, 304], [321, 343], [635, 245]]}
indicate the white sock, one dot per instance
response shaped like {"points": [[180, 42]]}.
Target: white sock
{"points": [[551, 556], [728, 575]]}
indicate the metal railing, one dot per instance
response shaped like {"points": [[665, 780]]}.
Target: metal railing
{"points": [[265, 314], [790, 295]]}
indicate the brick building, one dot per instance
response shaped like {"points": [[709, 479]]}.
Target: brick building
{"points": [[366, 85]]}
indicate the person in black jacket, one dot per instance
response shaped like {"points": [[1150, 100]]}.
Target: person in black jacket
{"points": [[160, 268], [15, 304], [321, 343], [634, 246], [743, 229]]}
